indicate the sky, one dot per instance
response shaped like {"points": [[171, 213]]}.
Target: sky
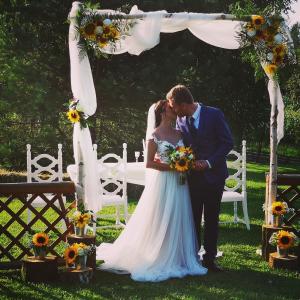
{"points": [[294, 17]]}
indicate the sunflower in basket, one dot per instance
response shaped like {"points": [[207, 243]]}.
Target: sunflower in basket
{"points": [[284, 239], [71, 254], [40, 239], [279, 208]]}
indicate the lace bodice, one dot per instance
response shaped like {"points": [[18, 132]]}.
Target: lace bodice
{"points": [[162, 148]]}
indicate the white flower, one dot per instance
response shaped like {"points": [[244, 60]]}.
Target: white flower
{"points": [[99, 30], [278, 38], [251, 32], [79, 107], [270, 56], [107, 22]]}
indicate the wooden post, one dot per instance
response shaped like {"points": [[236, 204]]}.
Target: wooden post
{"points": [[273, 157], [80, 175]]}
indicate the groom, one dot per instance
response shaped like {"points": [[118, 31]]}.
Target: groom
{"points": [[206, 131]]}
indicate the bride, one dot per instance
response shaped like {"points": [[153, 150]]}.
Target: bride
{"points": [[159, 241]]}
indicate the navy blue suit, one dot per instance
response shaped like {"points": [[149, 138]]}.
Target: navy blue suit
{"points": [[212, 141]]}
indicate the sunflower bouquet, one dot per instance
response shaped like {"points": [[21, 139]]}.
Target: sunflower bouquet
{"points": [[39, 244], [80, 219], [181, 159], [278, 209], [75, 113], [284, 240], [269, 37], [77, 253], [99, 32]]}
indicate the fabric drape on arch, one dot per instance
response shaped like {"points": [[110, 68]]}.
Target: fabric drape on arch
{"points": [[144, 35]]}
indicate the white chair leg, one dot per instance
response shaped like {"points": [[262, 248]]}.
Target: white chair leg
{"points": [[235, 216], [126, 213], [245, 211]]}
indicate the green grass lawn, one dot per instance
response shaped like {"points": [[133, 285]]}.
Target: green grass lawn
{"points": [[247, 276]]}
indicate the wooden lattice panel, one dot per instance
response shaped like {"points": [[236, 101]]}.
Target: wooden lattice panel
{"points": [[291, 195], [24, 194]]}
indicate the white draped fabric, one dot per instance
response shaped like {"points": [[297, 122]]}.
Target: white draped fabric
{"points": [[144, 35]]}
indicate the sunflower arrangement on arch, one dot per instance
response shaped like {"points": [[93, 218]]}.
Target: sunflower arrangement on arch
{"points": [[98, 31], [76, 114], [270, 40]]}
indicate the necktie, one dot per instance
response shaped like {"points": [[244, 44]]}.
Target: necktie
{"points": [[192, 128]]}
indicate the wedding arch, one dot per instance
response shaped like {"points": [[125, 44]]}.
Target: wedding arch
{"points": [[113, 32]]}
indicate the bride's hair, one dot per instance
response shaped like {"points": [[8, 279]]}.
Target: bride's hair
{"points": [[160, 108]]}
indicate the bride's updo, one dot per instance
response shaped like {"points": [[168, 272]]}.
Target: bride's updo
{"points": [[160, 108]]}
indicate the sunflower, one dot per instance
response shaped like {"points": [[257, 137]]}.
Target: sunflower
{"points": [[257, 21], [279, 50], [285, 240], [182, 165], [114, 33], [40, 239], [107, 30], [102, 41], [270, 69], [71, 254], [82, 220], [278, 208], [73, 115], [89, 31]]}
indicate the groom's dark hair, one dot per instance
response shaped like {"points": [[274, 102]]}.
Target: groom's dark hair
{"points": [[180, 94]]}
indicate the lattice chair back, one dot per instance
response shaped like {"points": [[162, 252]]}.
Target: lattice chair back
{"points": [[236, 184], [54, 169], [113, 182], [239, 167], [54, 172]]}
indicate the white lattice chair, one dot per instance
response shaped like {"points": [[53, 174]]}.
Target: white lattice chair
{"points": [[238, 192], [113, 173], [34, 171]]}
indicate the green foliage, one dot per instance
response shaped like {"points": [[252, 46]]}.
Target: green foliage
{"points": [[35, 80]]}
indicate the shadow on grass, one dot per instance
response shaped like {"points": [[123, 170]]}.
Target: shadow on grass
{"points": [[244, 283]]}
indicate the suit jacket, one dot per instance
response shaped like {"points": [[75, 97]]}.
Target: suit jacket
{"points": [[212, 142]]}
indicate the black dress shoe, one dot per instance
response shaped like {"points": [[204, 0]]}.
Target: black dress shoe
{"points": [[212, 266]]}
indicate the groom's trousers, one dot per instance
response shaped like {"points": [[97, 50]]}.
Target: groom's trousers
{"points": [[206, 198]]}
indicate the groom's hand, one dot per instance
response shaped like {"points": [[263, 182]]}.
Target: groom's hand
{"points": [[201, 165]]}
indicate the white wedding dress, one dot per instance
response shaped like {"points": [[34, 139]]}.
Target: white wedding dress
{"points": [[159, 241]]}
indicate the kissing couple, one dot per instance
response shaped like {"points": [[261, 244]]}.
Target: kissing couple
{"points": [[162, 238]]}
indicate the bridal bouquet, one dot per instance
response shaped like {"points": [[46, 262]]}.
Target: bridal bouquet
{"points": [[181, 159]]}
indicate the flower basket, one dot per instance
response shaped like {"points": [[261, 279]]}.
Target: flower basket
{"points": [[80, 262], [76, 255], [284, 240], [282, 252], [39, 245], [80, 231], [81, 218]]}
